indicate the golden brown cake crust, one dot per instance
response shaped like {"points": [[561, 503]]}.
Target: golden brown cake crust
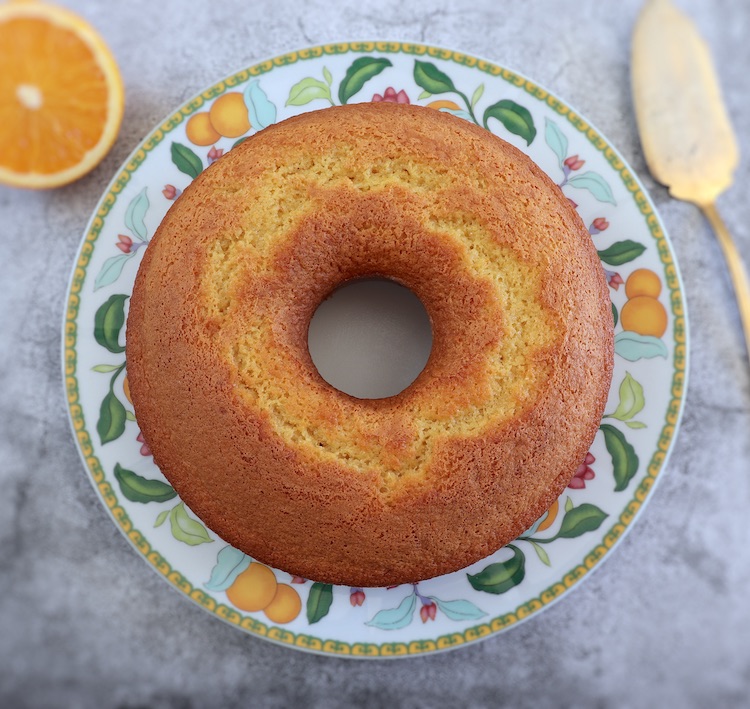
{"points": [[386, 491]]}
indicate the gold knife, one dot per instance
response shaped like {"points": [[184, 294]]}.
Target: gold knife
{"points": [[685, 130]]}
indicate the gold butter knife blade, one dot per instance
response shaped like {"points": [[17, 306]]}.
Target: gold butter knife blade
{"points": [[685, 131]]}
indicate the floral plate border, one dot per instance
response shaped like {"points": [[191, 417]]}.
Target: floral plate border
{"points": [[497, 576]]}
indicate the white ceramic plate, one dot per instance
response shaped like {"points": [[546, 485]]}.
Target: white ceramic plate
{"points": [[523, 578]]}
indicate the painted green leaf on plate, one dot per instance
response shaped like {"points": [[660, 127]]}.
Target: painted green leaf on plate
{"points": [[136, 214], [624, 458], [514, 117], [460, 112], [186, 529], [308, 90], [431, 79], [105, 368], [359, 73], [395, 618], [632, 346], [327, 76], [501, 576], [112, 417], [319, 601], [136, 488], [111, 270], [459, 609], [186, 160], [579, 520], [108, 322], [161, 518], [594, 183], [230, 563], [260, 111], [632, 399], [478, 93], [540, 552], [556, 140], [621, 252], [615, 315]]}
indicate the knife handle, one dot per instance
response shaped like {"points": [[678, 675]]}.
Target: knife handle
{"points": [[736, 267]]}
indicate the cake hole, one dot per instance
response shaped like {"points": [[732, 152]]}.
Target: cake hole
{"points": [[371, 338]]}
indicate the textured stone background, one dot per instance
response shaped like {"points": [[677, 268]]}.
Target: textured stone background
{"points": [[85, 623]]}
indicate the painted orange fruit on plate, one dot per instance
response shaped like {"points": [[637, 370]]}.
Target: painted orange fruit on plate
{"points": [[199, 130], [643, 281], [229, 116], [254, 588], [285, 606], [61, 96], [644, 315]]}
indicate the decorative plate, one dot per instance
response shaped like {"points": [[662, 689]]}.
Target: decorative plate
{"points": [[608, 490]]}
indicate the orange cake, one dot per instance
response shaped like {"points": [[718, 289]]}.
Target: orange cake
{"points": [[370, 492]]}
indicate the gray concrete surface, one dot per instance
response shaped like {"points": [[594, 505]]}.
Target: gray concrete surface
{"points": [[85, 623]]}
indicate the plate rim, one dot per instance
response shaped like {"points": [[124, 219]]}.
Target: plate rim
{"points": [[654, 469]]}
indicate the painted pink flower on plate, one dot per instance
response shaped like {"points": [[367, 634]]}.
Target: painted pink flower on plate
{"points": [[390, 96]]}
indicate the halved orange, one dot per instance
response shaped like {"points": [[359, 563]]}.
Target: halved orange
{"points": [[61, 96]]}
